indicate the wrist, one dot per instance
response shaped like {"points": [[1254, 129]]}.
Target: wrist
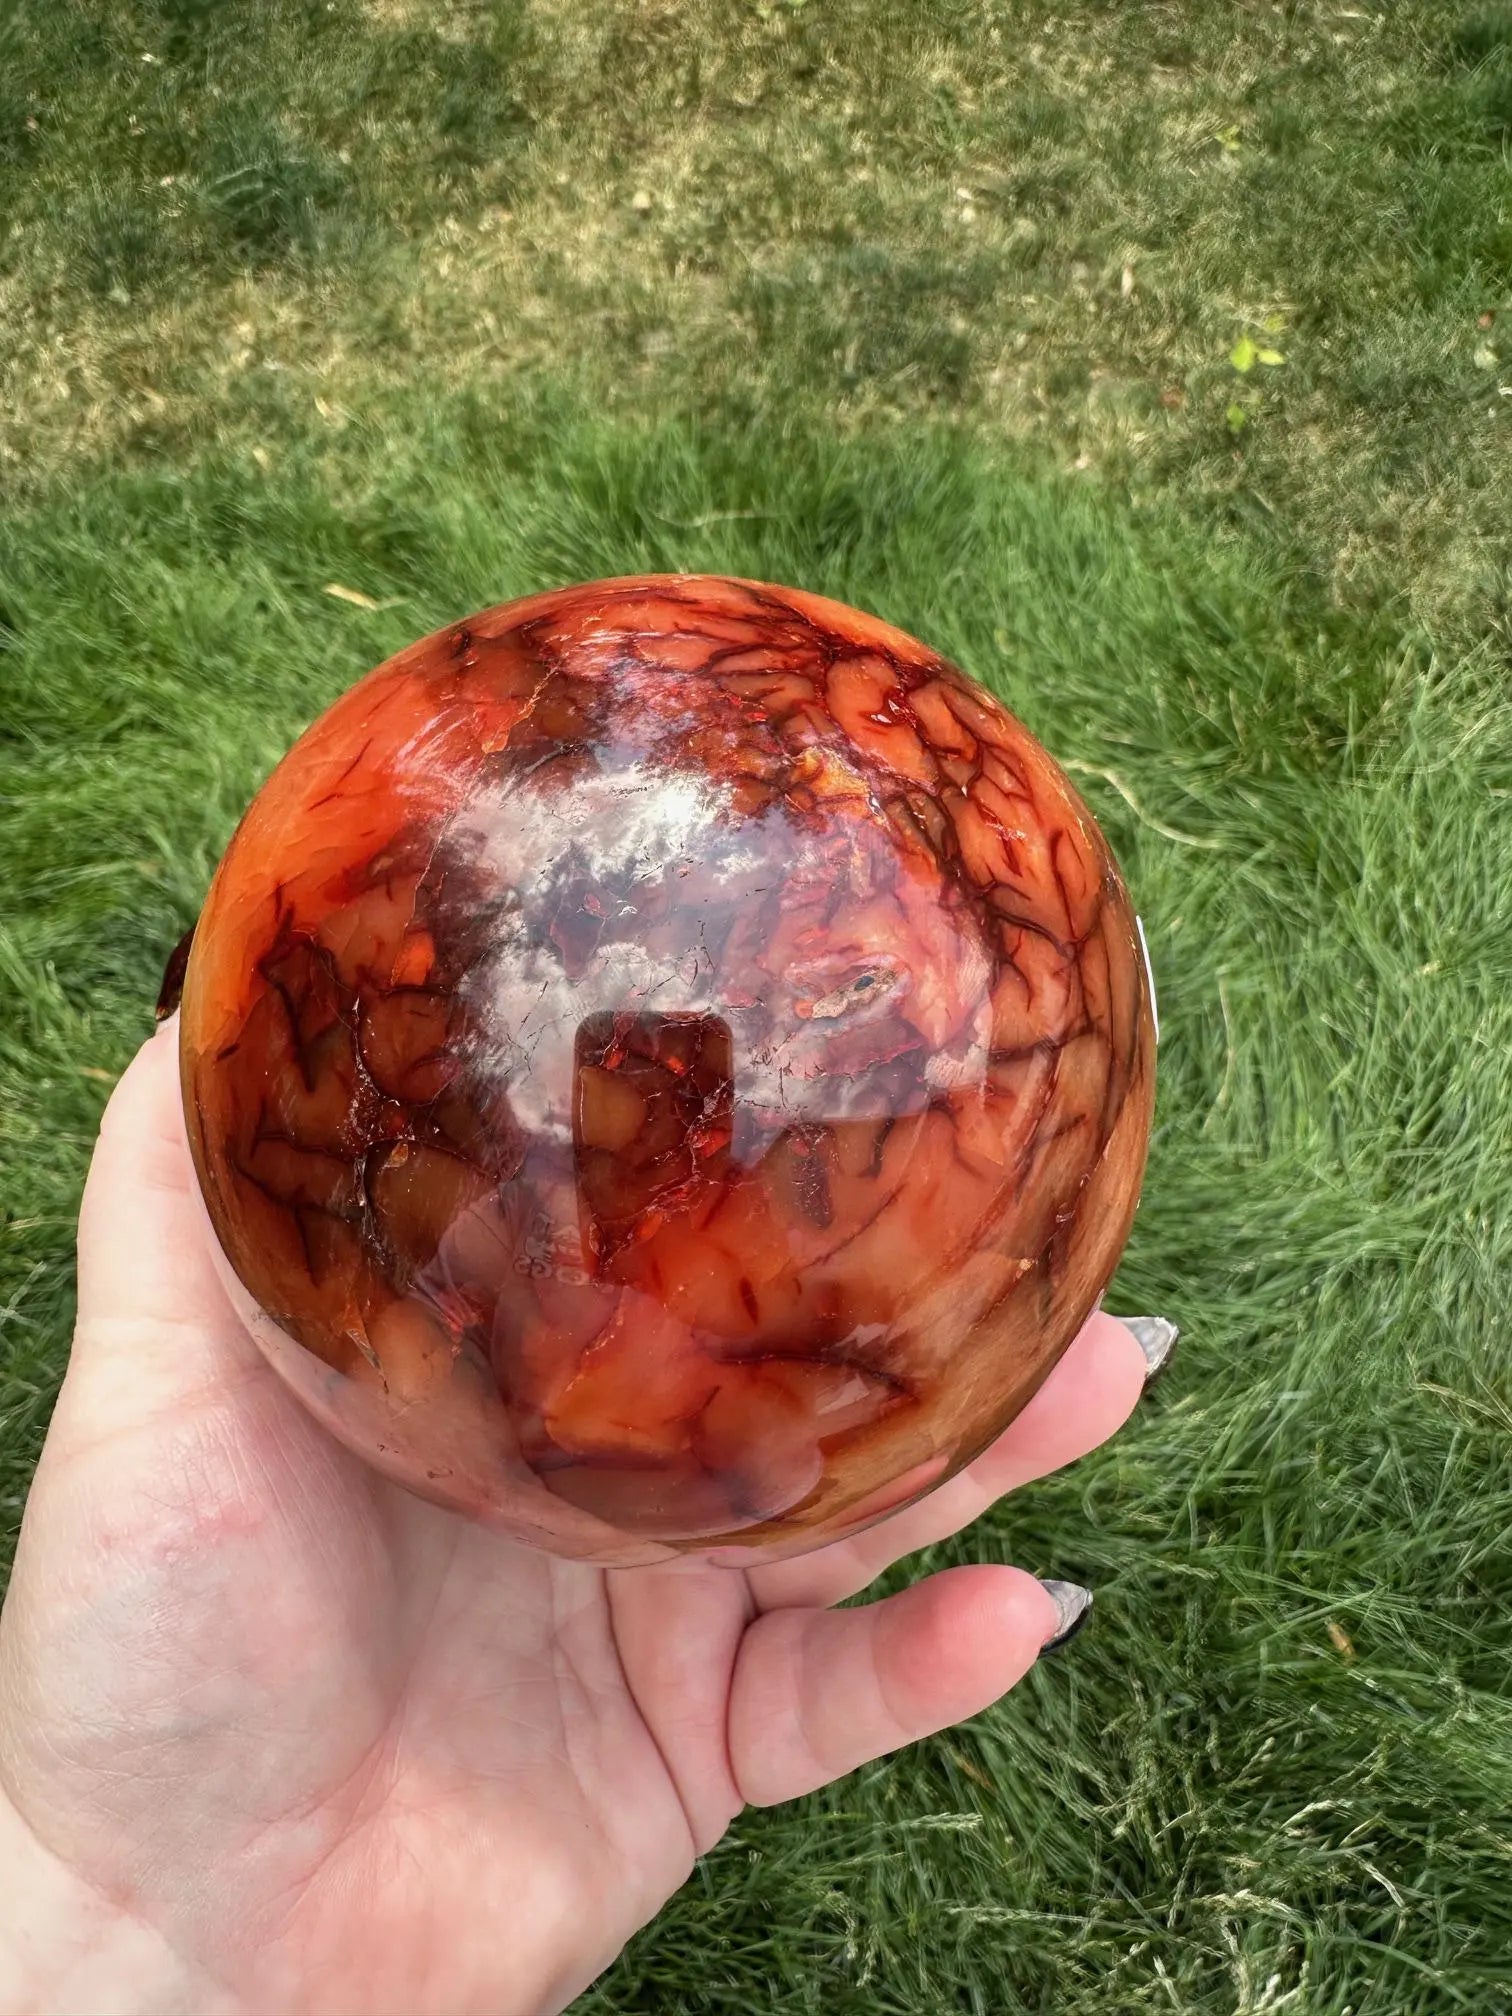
{"points": [[66, 1950]]}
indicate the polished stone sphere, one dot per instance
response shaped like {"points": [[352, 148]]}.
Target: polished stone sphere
{"points": [[669, 1065]]}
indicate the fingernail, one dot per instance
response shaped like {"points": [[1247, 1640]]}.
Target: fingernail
{"points": [[1073, 1606], [172, 988], [1156, 1337]]}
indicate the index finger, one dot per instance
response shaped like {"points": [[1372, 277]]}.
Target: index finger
{"points": [[1086, 1399]]}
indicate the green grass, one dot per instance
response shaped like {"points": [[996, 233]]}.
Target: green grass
{"points": [[397, 324]]}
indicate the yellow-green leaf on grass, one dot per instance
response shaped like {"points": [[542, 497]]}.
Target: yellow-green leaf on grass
{"points": [[1243, 355]]}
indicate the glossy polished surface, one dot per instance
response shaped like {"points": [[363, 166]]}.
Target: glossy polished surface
{"points": [[670, 1064]]}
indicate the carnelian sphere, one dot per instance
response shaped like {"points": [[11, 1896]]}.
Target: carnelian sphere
{"points": [[669, 1064]]}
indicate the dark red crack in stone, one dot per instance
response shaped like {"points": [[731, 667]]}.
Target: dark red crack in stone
{"points": [[670, 1064]]}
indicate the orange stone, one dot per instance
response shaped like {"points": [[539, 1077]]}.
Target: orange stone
{"points": [[669, 1064]]}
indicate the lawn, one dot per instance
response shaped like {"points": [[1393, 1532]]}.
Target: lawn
{"points": [[1154, 362]]}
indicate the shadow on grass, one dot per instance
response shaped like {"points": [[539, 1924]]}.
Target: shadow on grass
{"points": [[241, 134]]}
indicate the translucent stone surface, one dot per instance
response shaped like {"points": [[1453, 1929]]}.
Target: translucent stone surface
{"points": [[669, 1064]]}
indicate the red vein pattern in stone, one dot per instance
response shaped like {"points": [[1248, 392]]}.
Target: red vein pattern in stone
{"points": [[669, 1065]]}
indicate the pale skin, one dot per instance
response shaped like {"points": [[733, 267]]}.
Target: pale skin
{"points": [[278, 1738]]}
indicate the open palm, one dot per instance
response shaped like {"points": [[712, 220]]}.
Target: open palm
{"points": [[338, 1750]]}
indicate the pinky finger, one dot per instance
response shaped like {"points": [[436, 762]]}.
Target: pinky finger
{"points": [[818, 1692]]}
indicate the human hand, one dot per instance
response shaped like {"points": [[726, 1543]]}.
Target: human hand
{"points": [[277, 1737]]}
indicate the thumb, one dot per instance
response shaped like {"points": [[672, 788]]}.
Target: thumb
{"points": [[148, 1289]]}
